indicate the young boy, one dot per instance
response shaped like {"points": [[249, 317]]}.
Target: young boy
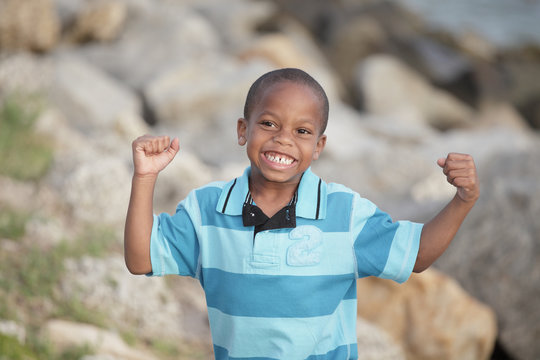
{"points": [[277, 250]]}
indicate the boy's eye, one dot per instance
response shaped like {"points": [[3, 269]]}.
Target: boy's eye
{"points": [[304, 131], [267, 123]]}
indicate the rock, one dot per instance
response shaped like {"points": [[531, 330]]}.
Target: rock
{"points": [[155, 39], [477, 46], [353, 41], [208, 111], [293, 46], [100, 20], [279, 50], [47, 232], [441, 63], [24, 74], [67, 11], [235, 20], [392, 89], [430, 316], [382, 159], [350, 31], [11, 328], [522, 83], [28, 25], [17, 195], [496, 257], [146, 306], [170, 190], [482, 143], [92, 101], [97, 191], [64, 334], [375, 344], [175, 100], [502, 114]]}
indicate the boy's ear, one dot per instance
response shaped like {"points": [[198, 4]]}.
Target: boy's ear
{"points": [[321, 142], [241, 131]]}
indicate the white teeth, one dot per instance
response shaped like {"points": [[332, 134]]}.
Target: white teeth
{"points": [[279, 160]]}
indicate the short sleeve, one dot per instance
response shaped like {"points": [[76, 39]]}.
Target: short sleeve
{"points": [[382, 247], [174, 247]]}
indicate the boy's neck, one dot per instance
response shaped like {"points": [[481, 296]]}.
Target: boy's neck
{"points": [[271, 197]]}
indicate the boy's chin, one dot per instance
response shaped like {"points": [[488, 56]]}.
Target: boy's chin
{"points": [[284, 176]]}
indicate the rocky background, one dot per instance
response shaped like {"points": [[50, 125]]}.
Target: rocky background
{"points": [[80, 79]]}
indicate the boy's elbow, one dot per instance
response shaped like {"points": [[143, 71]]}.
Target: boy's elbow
{"points": [[419, 267], [138, 269]]}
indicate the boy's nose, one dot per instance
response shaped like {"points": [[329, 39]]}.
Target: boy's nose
{"points": [[283, 137]]}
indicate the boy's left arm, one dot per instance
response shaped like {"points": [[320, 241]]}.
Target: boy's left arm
{"points": [[437, 234]]}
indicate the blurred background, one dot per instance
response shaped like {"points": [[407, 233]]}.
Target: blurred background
{"points": [[408, 82]]}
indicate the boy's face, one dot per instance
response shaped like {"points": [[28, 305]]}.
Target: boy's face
{"points": [[283, 133]]}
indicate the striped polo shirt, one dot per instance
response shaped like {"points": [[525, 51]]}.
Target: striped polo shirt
{"points": [[284, 293]]}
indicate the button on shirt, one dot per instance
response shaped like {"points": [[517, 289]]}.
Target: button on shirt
{"points": [[288, 292]]}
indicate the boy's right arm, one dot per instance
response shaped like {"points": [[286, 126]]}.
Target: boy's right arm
{"points": [[150, 155]]}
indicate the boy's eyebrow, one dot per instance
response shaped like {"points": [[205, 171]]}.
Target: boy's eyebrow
{"points": [[268, 112]]}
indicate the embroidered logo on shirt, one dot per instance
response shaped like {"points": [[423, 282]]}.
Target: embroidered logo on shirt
{"points": [[307, 250]]}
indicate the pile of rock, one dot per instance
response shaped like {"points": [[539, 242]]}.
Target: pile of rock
{"points": [[401, 96]]}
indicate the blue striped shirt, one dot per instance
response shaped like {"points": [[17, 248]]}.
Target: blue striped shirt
{"points": [[287, 293]]}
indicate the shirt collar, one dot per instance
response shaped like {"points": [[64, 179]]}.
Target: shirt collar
{"points": [[311, 203]]}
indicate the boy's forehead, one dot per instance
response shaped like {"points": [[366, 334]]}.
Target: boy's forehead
{"points": [[302, 90]]}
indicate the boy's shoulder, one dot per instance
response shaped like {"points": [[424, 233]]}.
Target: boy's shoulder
{"points": [[214, 195], [357, 199], [212, 189], [337, 187]]}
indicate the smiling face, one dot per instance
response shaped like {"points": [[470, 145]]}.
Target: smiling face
{"points": [[283, 133]]}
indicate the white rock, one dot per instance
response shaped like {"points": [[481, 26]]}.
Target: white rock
{"points": [[17, 195], [64, 334], [157, 36], [375, 344], [236, 20], [295, 48], [89, 98], [24, 73], [144, 305], [98, 190], [392, 89], [181, 176], [11, 328], [433, 187], [175, 100]]}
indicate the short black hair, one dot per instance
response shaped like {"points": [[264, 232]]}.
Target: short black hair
{"points": [[287, 74]]}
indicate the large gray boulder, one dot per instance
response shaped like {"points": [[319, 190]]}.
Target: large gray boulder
{"points": [[391, 88], [91, 100], [496, 255], [146, 306], [155, 37]]}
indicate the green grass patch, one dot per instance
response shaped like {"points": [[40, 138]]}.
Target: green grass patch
{"points": [[165, 348], [31, 275], [29, 293], [12, 349], [29, 280], [74, 310], [12, 223], [24, 154], [37, 271], [174, 350], [38, 349], [129, 337]]}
